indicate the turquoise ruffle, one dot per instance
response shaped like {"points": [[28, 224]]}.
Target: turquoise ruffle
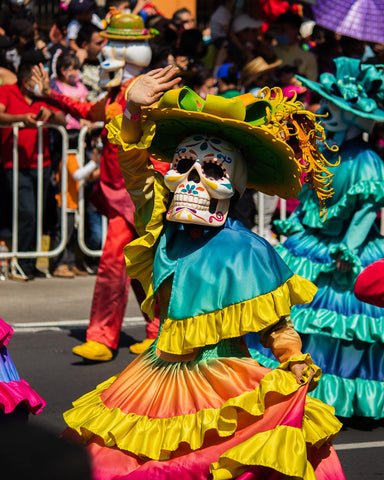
{"points": [[345, 327], [312, 270], [368, 192]]}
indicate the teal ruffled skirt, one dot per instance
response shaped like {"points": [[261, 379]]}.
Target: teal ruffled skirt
{"points": [[344, 336]]}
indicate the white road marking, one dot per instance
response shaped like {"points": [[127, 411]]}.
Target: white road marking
{"points": [[33, 327], [355, 446]]}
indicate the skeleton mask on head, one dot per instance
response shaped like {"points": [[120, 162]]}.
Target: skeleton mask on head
{"points": [[119, 54], [205, 173], [127, 50]]}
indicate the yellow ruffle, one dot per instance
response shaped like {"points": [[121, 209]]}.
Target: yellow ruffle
{"points": [[156, 438], [114, 134], [139, 254], [283, 449], [182, 336], [272, 448]]}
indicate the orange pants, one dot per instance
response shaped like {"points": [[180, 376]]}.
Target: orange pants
{"points": [[111, 290]]}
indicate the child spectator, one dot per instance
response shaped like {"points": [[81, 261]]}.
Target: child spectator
{"points": [[82, 13], [58, 35]]}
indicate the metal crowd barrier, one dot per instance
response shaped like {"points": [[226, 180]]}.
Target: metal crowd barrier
{"points": [[13, 255], [81, 214]]}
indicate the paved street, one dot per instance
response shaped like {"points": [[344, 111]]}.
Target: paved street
{"points": [[50, 317]]}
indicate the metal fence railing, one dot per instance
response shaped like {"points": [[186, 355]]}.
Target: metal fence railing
{"points": [[13, 255]]}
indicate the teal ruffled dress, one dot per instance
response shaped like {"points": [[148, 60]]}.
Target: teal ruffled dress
{"points": [[344, 336]]}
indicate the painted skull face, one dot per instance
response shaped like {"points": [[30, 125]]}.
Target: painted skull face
{"points": [[340, 120], [206, 171], [117, 54]]}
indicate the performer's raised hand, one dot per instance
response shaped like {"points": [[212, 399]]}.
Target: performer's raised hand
{"points": [[148, 88]]}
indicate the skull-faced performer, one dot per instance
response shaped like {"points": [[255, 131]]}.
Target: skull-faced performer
{"points": [[344, 335], [195, 405], [126, 53]]}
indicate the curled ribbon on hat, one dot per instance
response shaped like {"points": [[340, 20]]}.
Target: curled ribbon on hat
{"points": [[362, 86]]}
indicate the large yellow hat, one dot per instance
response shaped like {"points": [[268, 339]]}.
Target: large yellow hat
{"points": [[256, 126]]}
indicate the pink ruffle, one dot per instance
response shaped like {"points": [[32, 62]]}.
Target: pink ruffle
{"points": [[16, 392], [6, 332]]}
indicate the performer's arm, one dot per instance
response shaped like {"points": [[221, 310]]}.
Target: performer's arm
{"points": [[91, 111], [137, 170], [285, 344], [282, 339], [346, 252]]}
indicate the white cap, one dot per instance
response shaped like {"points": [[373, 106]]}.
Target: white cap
{"points": [[18, 2], [243, 21], [306, 28]]}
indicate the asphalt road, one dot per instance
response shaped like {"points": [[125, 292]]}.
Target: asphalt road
{"points": [[50, 317]]}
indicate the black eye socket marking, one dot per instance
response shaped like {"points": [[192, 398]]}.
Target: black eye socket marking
{"points": [[212, 170], [185, 164]]}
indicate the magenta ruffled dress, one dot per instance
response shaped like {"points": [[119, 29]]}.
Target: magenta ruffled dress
{"points": [[14, 391]]}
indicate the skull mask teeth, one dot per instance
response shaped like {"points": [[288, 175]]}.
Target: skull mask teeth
{"points": [[201, 178]]}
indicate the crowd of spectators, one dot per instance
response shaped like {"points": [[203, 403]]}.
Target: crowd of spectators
{"points": [[232, 53]]}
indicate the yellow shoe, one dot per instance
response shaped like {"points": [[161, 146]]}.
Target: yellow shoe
{"points": [[95, 351], [140, 347]]}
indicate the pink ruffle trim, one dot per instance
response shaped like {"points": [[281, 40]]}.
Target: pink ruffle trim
{"points": [[16, 392], [6, 332]]}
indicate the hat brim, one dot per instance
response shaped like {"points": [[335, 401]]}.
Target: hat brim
{"points": [[377, 114], [254, 76], [272, 167], [124, 36]]}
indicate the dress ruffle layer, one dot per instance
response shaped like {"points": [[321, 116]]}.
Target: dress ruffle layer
{"points": [[17, 392], [345, 327], [13, 390], [312, 254], [182, 336], [6, 332], [223, 398], [349, 397], [363, 191]]}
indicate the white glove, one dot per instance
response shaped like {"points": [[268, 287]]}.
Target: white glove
{"points": [[83, 172]]}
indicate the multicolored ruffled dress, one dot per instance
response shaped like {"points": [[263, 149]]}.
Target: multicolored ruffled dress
{"points": [[17, 398], [343, 335], [195, 405]]}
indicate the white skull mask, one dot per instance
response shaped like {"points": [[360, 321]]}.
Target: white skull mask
{"points": [[205, 173], [117, 54]]}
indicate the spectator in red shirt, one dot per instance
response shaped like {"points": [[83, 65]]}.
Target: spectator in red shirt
{"points": [[17, 104]]}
